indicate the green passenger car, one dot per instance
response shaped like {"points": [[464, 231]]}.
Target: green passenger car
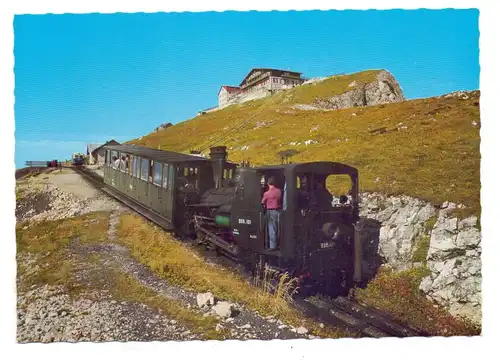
{"points": [[158, 180]]}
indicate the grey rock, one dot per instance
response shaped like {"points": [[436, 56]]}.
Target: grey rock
{"points": [[302, 330], [223, 309], [205, 299]]}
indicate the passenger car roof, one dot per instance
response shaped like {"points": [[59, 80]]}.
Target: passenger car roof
{"points": [[158, 155]]}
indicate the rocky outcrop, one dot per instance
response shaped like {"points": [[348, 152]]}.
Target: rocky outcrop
{"points": [[454, 259], [402, 223], [410, 232], [385, 89], [461, 95]]}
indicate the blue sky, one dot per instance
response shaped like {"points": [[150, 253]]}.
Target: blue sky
{"points": [[90, 78]]}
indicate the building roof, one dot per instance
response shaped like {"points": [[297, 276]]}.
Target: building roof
{"points": [[92, 147], [230, 89], [267, 69], [110, 142], [153, 154]]}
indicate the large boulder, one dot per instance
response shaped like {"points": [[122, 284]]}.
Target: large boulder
{"points": [[385, 89]]}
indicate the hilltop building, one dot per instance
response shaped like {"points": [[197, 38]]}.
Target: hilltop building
{"points": [[270, 79], [259, 83]]}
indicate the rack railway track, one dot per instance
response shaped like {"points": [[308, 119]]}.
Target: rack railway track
{"points": [[339, 312]]}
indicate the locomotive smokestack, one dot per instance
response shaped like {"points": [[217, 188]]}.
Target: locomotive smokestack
{"points": [[218, 155]]}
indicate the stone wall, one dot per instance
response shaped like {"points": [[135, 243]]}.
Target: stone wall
{"points": [[451, 248]]}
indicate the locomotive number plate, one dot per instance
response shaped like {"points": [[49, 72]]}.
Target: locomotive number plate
{"points": [[244, 221], [326, 245]]}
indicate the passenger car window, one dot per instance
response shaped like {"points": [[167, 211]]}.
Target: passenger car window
{"points": [[114, 154], [171, 174], [132, 163], [138, 167], [165, 175], [157, 172], [145, 169]]}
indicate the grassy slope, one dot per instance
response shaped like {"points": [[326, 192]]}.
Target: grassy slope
{"points": [[435, 158]]}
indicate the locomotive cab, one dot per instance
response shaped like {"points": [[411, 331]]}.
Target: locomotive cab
{"points": [[316, 231]]}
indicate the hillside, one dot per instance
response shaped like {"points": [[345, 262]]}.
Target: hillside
{"points": [[425, 148]]}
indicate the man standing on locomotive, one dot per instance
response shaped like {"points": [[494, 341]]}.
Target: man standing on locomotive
{"points": [[272, 201]]}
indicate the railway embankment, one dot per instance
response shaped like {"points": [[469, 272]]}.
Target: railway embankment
{"points": [[87, 272]]}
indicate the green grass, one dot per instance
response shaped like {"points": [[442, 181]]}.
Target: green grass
{"points": [[421, 249], [173, 261], [436, 158], [409, 305], [421, 245]]}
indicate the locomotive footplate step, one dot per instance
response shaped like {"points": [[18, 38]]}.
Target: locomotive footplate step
{"points": [[161, 221], [272, 252]]}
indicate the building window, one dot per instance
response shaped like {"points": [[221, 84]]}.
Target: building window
{"points": [[165, 175], [144, 169], [157, 172]]}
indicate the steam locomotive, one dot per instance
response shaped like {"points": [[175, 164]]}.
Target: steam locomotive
{"points": [[218, 203]]}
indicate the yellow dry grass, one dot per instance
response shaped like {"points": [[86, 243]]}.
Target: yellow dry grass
{"points": [[49, 241], [127, 288], [173, 261], [426, 148]]}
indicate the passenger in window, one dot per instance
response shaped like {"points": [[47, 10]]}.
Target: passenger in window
{"points": [[127, 164], [122, 163], [116, 162], [272, 200]]}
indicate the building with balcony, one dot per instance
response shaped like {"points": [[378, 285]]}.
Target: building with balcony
{"points": [[259, 83], [270, 79]]}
